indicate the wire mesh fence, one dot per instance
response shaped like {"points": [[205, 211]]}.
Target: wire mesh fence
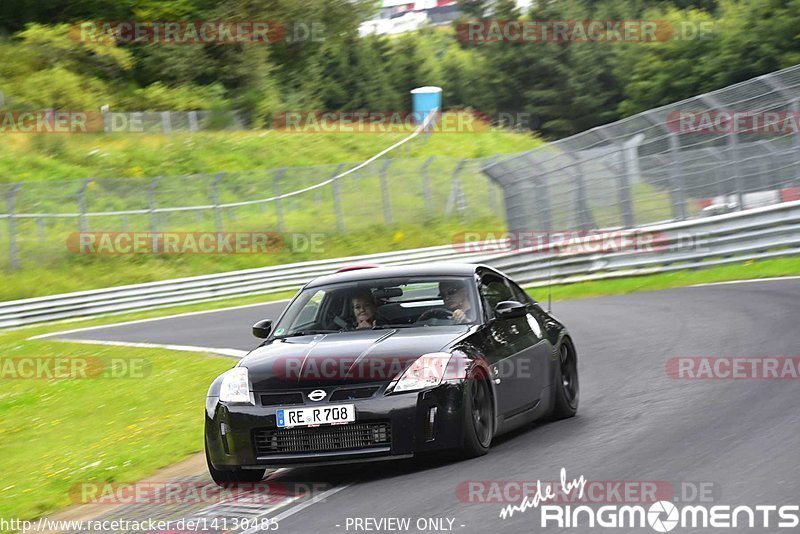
{"points": [[41, 218], [723, 151], [728, 150]]}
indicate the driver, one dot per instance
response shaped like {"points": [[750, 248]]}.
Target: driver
{"points": [[454, 295], [364, 308]]}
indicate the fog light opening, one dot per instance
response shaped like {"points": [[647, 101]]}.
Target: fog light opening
{"points": [[429, 433], [223, 431]]}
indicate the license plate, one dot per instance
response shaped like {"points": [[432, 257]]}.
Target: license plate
{"points": [[289, 417]]}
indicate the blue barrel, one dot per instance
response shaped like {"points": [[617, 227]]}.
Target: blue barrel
{"points": [[425, 100]]}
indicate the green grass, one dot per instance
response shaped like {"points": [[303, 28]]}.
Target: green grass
{"points": [[745, 271], [60, 157], [56, 433]]}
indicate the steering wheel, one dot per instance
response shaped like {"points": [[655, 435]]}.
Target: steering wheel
{"points": [[435, 313]]}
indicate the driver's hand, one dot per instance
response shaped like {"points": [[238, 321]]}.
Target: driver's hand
{"points": [[365, 324], [459, 317]]}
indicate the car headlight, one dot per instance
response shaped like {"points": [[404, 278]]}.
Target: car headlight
{"points": [[427, 371], [235, 387]]}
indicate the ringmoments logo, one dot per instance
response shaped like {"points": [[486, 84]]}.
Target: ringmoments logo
{"points": [[660, 516]]}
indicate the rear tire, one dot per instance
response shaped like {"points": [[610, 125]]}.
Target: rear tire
{"points": [[567, 390], [478, 418], [233, 476]]}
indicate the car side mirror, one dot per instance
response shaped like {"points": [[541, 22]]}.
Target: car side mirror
{"points": [[510, 309], [262, 329]]}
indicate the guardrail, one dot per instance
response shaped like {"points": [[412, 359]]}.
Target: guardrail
{"points": [[142, 297], [761, 233]]}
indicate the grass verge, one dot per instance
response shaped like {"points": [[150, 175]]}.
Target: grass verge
{"points": [[745, 271]]}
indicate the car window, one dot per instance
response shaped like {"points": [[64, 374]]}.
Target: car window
{"points": [[419, 301], [519, 294], [310, 310], [493, 290]]}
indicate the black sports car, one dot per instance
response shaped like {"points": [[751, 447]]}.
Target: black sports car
{"points": [[385, 362]]}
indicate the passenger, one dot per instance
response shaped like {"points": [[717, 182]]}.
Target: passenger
{"points": [[365, 309]]}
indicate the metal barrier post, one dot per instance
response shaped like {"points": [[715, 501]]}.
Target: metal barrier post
{"points": [[193, 126], [276, 187], [337, 201], [166, 122], [719, 158], [456, 199], [624, 192], [733, 144], [83, 224], [387, 204], [542, 194], [151, 205], [491, 193], [218, 224], [13, 250], [676, 179], [426, 185]]}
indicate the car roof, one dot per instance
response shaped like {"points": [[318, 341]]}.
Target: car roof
{"points": [[398, 271]]}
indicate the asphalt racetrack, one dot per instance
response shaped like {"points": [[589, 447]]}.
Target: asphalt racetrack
{"points": [[733, 442]]}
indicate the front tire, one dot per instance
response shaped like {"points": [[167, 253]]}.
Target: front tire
{"points": [[478, 418], [233, 476], [567, 390]]}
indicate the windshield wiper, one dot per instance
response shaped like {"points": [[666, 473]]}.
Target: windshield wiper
{"points": [[388, 326], [307, 333]]}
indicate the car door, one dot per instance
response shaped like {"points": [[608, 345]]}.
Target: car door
{"points": [[542, 349], [513, 352]]}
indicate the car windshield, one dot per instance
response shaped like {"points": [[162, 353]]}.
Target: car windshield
{"points": [[380, 303]]}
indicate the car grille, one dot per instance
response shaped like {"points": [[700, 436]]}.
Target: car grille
{"points": [[325, 438], [353, 393], [280, 399]]}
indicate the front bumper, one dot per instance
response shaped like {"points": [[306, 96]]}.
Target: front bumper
{"points": [[230, 430]]}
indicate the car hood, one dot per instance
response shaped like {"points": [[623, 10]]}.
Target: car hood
{"points": [[344, 358]]}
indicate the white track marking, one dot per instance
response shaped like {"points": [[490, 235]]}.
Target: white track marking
{"points": [[302, 506], [752, 280], [152, 319], [233, 353]]}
